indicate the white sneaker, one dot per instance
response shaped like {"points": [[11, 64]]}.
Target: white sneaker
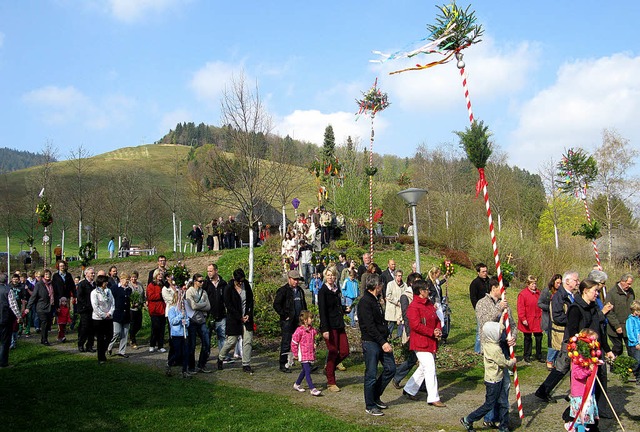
{"points": [[316, 392], [162, 350], [151, 349], [297, 387]]}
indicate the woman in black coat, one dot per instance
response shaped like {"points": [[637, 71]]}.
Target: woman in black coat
{"points": [[43, 300], [238, 299]]}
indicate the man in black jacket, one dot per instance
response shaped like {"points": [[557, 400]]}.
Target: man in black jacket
{"points": [[214, 285], [478, 288], [63, 284], [375, 347], [560, 303], [86, 337], [288, 303]]}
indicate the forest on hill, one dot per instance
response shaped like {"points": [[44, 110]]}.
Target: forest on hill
{"points": [[13, 160]]}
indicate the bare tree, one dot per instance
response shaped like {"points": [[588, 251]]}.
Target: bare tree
{"points": [[548, 173], [615, 157], [240, 178], [77, 188]]}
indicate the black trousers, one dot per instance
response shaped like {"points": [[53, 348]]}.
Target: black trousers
{"points": [[528, 345], [103, 330], [157, 331], [287, 329], [45, 326], [86, 335], [136, 325]]}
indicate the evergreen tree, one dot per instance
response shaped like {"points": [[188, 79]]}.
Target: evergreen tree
{"points": [[329, 145]]}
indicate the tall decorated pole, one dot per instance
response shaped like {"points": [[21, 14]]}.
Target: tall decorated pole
{"points": [[475, 141], [45, 218], [576, 171], [372, 102], [454, 30]]}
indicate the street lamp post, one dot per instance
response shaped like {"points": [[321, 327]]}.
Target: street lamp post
{"points": [[411, 197]]}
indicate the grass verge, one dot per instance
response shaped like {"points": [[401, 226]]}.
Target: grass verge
{"points": [[56, 391]]}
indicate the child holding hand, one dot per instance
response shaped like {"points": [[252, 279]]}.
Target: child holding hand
{"points": [[303, 347], [64, 318]]}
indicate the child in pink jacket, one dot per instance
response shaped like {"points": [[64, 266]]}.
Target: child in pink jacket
{"points": [[303, 347]]}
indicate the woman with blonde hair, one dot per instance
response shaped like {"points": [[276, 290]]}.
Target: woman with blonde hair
{"points": [[530, 318]]}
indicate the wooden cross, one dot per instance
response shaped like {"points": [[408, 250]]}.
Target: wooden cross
{"points": [[509, 257]]}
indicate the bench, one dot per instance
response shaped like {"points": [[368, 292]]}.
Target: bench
{"points": [[136, 251]]}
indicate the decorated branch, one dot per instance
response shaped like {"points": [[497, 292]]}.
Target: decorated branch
{"points": [[447, 268], [576, 171], [372, 102], [43, 211], [454, 30], [87, 253], [180, 273]]}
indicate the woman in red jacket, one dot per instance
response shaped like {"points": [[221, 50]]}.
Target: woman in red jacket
{"points": [[530, 318], [156, 307], [426, 329]]}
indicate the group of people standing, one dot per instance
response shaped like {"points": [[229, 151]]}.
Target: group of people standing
{"points": [[566, 307]]}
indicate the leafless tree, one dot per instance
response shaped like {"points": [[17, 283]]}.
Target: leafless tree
{"points": [[615, 158], [241, 179]]}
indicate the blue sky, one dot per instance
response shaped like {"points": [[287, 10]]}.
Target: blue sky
{"points": [[114, 73]]}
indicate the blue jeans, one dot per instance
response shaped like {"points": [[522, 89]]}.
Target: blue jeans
{"points": [[492, 400], [405, 366], [202, 332], [495, 415], [636, 355], [352, 315], [552, 353], [219, 328], [374, 387], [306, 273], [476, 347]]}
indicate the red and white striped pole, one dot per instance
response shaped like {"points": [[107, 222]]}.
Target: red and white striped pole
{"points": [[371, 189], [482, 184], [595, 246]]}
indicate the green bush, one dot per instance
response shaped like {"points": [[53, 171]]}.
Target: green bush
{"points": [[343, 245], [398, 246]]}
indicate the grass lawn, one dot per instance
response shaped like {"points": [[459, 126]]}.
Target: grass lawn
{"points": [[56, 391]]}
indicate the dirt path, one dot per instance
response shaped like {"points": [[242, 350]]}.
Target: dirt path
{"points": [[403, 414]]}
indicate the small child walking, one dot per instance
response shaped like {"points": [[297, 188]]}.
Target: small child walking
{"points": [[314, 286], [494, 363], [180, 347], [583, 343], [64, 318], [633, 333], [303, 345]]}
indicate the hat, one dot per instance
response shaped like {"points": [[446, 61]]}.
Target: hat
{"points": [[597, 276], [293, 274]]}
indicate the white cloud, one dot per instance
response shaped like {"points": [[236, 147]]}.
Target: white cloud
{"points": [[209, 82], [588, 96], [68, 105], [309, 125], [492, 72], [130, 11]]}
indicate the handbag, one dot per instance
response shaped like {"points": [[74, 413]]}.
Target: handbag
{"points": [[198, 317]]}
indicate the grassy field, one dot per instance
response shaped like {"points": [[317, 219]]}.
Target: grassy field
{"points": [[57, 391]]}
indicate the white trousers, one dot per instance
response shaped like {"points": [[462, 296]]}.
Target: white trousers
{"points": [[426, 372]]}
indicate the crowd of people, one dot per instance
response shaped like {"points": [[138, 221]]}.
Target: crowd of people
{"points": [[106, 307]]}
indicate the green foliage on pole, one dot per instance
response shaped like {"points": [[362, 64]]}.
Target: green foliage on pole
{"points": [[475, 142], [576, 170], [459, 23]]}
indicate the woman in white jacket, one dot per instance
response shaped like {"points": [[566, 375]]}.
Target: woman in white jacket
{"points": [[102, 316]]}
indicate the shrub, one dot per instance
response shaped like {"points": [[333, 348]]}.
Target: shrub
{"points": [[398, 246], [458, 257], [343, 245]]}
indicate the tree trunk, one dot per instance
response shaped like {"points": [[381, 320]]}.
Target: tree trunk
{"points": [[251, 255], [609, 222]]}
